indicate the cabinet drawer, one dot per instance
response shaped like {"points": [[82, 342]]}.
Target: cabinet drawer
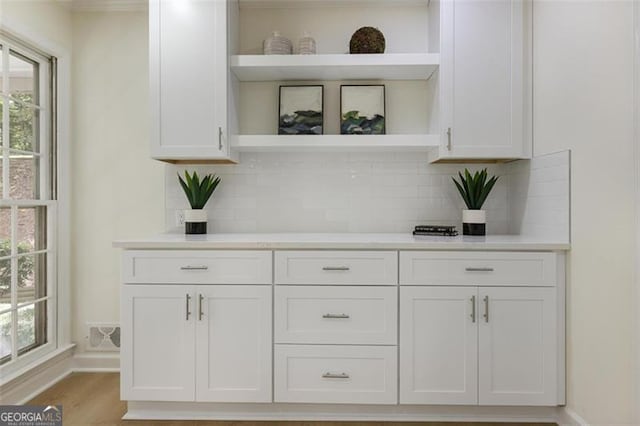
{"points": [[338, 315], [478, 268], [336, 374], [197, 267], [336, 267]]}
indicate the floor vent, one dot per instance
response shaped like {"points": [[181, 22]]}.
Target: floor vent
{"points": [[103, 337]]}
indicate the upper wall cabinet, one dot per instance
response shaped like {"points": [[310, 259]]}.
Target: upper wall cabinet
{"points": [[190, 87], [485, 80]]}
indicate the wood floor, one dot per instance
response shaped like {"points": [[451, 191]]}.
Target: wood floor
{"points": [[94, 399]]}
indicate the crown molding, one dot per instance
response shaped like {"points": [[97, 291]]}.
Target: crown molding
{"points": [[109, 5]]}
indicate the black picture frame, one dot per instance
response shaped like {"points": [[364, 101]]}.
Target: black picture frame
{"points": [[321, 120], [384, 108]]}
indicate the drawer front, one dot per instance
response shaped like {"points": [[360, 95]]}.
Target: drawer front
{"points": [[336, 374], [336, 267], [478, 268], [336, 315], [197, 267]]}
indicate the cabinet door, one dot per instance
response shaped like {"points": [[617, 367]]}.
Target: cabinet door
{"points": [[158, 341], [188, 77], [438, 345], [518, 344], [234, 343], [485, 79]]}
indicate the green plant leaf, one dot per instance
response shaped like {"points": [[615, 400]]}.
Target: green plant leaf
{"points": [[462, 191], [474, 188]]}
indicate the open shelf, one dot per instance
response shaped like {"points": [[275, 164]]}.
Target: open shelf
{"points": [[335, 143], [392, 66]]}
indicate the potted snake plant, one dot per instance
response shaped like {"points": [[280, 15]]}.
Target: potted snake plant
{"points": [[198, 193], [474, 190]]}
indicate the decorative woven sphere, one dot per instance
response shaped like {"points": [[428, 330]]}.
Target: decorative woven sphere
{"points": [[367, 40]]}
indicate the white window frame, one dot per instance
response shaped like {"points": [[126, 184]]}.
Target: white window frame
{"points": [[46, 109]]}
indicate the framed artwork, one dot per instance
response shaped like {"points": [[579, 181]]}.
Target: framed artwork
{"points": [[301, 110], [362, 110]]}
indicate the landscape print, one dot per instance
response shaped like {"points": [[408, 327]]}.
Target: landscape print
{"points": [[300, 110], [362, 110]]}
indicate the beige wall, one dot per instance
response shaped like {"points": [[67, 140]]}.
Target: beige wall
{"points": [[118, 190], [44, 19], [583, 83]]}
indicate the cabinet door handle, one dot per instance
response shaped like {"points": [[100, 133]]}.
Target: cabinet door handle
{"points": [[478, 269], [188, 301], [336, 316], [473, 308], [200, 314], [335, 268], [486, 309], [329, 375], [449, 138], [220, 138], [194, 268]]}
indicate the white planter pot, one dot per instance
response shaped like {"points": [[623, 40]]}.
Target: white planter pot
{"points": [[195, 221], [198, 215], [474, 222]]}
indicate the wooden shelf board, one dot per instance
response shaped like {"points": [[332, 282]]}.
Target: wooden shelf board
{"points": [[332, 143], [393, 66]]}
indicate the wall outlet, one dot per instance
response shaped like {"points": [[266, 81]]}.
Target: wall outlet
{"points": [[179, 217]]}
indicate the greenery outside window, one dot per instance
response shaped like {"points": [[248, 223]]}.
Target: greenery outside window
{"points": [[27, 202]]}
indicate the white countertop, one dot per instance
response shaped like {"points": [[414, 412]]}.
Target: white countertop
{"points": [[340, 241]]}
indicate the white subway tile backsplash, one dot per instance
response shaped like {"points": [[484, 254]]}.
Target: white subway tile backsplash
{"points": [[371, 192]]}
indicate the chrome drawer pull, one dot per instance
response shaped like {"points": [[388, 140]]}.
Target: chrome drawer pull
{"points": [[337, 316], [478, 269], [194, 268], [329, 375], [188, 302], [335, 268], [486, 309], [473, 308]]}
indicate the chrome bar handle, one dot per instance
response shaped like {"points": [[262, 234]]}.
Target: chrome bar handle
{"points": [[478, 269], [337, 316], [188, 301], [449, 138], [473, 308], [486, 309], [194, 268], [329, 375], [335, 268], [200, 314], [220, 138]]}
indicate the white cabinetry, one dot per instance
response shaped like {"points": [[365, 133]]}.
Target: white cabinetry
{"points": [[233, 343], [438, 345], [412, 328], [158, 343], [196, 341], [189, 78], [518, 346], [485, 78], [490, 344]]}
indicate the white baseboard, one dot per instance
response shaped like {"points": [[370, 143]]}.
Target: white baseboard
{"points": [[567, 417], [103, 362]]}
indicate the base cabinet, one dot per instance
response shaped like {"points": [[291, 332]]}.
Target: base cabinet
{"points": [[438, 345], [472, 328], [158, 343], [200, 343], [233, 344], [518, 350], [478, 345]]}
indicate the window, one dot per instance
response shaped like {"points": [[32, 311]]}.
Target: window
{"points": [[27, 203]]}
